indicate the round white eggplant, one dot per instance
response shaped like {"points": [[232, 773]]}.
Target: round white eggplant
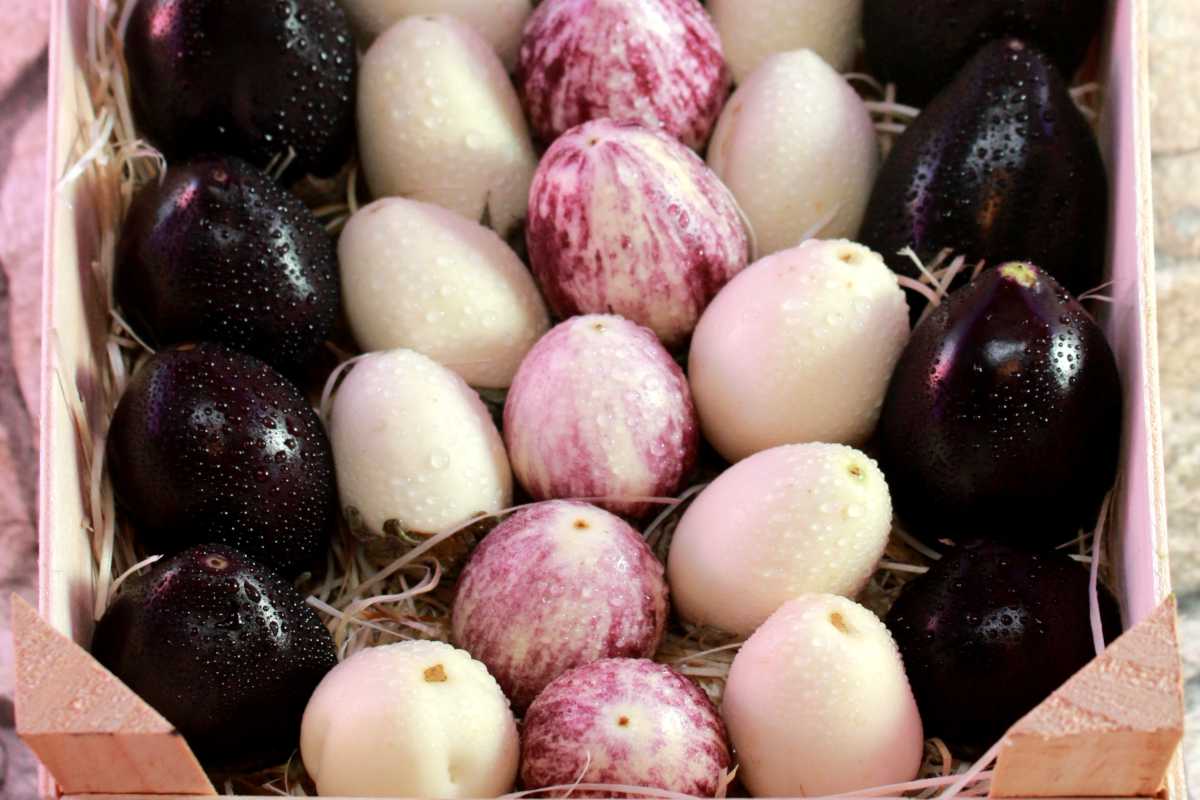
{"points": [[788, 521], [752, 32], [412, 719], [439, 121], [500, 22], [798, 149], [419, 276], [817, 703], [798, 347], [415, 449]]}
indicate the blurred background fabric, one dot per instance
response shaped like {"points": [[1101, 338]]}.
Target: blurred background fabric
{"points": [[1175, 67], [23, 64]]}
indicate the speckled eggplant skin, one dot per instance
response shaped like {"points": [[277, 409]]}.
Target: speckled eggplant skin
{"points": [[217, 251], [658, 62], [626, 220], [1001, 166], [1003, 417], [223, 648], [246, 78], [920, 44], [599, 409], [628, 721], [211, 445], [555, 586], [990, 631]]}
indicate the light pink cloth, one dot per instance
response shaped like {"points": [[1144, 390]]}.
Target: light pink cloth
{"points": [[23, 68]]}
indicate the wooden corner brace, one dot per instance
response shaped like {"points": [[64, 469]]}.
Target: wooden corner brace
{"points": [[90, 730], [1111, 730]]}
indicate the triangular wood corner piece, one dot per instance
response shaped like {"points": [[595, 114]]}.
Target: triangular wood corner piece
{"points": [[1109, 731], [90, 730]]}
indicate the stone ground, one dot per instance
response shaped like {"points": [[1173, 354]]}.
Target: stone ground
{"points": [[1175, 66]]}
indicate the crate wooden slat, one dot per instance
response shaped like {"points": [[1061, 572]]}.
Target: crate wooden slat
{"points": [[86, 726], [1112, 728]]}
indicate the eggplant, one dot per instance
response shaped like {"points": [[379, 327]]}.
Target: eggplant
{"points": [[217, 251], [1001, 166], [209, 445], [990, 631], [250, 79], [223, 648], [1003, 416], [920, 44]]}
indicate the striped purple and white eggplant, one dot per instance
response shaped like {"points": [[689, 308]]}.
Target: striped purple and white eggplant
{"points": [[626, 220], [555, 586], [629, 722], [598, 409], [655, 61]]}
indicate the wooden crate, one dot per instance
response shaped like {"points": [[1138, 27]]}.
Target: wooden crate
{"points": [[1110, 731]]}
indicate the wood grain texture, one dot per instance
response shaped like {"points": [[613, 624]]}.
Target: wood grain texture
{"points": [[87, 727], [1112, 729]]}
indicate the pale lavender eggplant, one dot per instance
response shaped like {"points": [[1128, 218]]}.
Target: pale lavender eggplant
{"points": [[598, 409], [654, 61], [626, 220], [628, 721], [555, 586]]}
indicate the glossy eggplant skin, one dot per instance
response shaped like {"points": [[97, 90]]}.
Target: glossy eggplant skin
{"points": [[217, 251], [990, 631], [223, 648], [1001, 166], [246, 78], [1003, 417], [209, 445], [920, 44]]}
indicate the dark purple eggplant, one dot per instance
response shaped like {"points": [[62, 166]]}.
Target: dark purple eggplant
{"points": [[1003, 417], [251, 79], [920, 44], [217, 251], [1001, 166], [223, 648], [990, 631], [211, 445]]}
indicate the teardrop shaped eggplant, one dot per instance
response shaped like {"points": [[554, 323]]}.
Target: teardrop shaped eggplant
{"points": [[920, 44], [211, 445], [251, 79], [1003, 417], [217, 251], [990, 631], [1001, 166], [223, 648]]}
